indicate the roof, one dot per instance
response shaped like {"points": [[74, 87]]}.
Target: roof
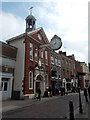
{"points": [[30, 17], [30, 33], [16, 37], [8, 50]]}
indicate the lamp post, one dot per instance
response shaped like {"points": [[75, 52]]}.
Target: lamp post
{"points": [[80, 103]]}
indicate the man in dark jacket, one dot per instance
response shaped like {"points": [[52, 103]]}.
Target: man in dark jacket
{"points": [[85, 94], [39, 93]]}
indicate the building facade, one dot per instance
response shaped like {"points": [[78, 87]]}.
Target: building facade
{"points": [[7, 67], [55, 71], [33, 61], [67, 71]]}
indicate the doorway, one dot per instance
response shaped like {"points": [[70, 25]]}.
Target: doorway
{"points": [[37, 85], [5, 85], [40, 83]]}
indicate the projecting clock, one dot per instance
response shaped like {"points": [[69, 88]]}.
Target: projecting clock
{"points": [[55, 43]]}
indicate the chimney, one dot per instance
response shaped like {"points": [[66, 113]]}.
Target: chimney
{"points": [[63, 53]]}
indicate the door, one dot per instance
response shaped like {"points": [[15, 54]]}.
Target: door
{"points": [[5, 88], [37, 85]]}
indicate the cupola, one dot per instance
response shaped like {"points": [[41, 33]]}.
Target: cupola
{"points": [[30, 22]]}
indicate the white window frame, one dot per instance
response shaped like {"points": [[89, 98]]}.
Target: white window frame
{"points": [[46, 57], [32, 52], [30, 80], [52, 59], [36, 53]]}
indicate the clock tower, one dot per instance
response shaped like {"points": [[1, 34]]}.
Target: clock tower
{"points": [[30, 22]]}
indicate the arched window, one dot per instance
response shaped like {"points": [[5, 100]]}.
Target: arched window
{"points": [[30, 80]]}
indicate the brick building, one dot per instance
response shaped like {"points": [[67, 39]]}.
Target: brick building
{"points": [[33, 62], [84, 80], [67, 70], [56, 81]]}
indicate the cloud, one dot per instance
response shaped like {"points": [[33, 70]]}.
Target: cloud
{"points": [[11, 25], [68, 19]]}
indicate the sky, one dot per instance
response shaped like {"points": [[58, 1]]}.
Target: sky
{"points": [[66, 18]]}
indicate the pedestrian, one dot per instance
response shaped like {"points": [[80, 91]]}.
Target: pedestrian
{"points": [[39, 93], [61, 89], [85, 94], [89, 91], [50, 91]]}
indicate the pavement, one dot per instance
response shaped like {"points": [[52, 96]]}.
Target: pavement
{"points": [[12, 105], [86, 112]]}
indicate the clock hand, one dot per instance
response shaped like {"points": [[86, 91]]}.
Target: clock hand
{"points": [[54, 43]]}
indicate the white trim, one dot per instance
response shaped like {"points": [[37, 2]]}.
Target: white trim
{"points": [[32, 80]]}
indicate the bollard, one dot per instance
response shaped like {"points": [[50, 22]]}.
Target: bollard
{"points": [[71, 112]]}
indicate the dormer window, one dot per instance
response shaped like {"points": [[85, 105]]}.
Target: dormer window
{"points": [[39, 36]]}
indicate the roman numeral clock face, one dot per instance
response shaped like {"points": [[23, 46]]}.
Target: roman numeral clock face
{"points": [[55, 43]]}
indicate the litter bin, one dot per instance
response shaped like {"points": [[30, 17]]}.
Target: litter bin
{"points": [[16, 95]]}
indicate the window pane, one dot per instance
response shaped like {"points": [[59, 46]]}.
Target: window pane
{"points": [[41, 54], [46, 57], [36, 54], [42, 59], [52, 59], [5, 86]]}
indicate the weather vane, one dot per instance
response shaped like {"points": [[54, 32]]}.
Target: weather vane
{"points": [[30, 10]]}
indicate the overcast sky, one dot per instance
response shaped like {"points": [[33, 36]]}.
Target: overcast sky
{"points": [[66, 18]]}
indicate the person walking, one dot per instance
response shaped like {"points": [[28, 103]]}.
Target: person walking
{"points": [[89, 91], [85, 94], [39, 93]]}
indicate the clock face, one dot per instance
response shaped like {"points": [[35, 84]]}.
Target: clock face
{"points": [[56, 43]]}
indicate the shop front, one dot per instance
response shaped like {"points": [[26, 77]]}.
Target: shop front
{"points": [[5, 86]]}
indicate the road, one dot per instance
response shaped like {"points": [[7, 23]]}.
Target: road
{"points": [[55, 108]]}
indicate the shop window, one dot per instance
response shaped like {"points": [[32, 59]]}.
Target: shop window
{"points": [[4, 84], [54, 73]]}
